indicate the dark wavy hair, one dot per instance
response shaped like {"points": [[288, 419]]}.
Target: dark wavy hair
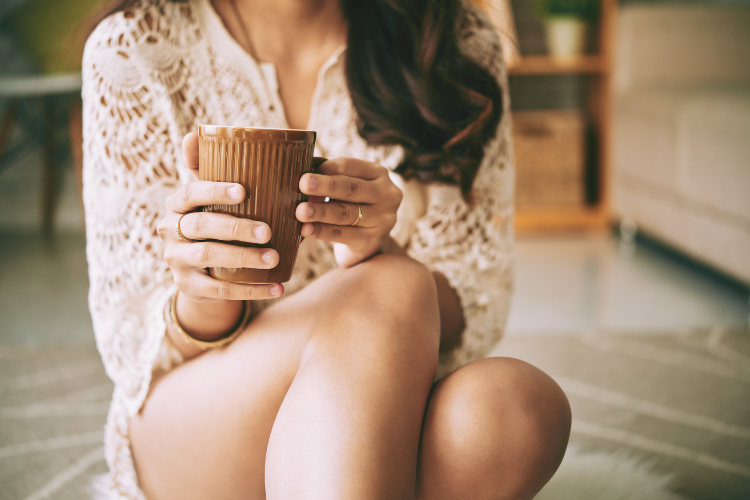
{"points": [[411, 85]]}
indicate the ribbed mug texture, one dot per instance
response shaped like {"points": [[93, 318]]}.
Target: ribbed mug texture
{"points": [[269, 164]]}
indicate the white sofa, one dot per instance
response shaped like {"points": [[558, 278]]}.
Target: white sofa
{"points": [[682, 129]]}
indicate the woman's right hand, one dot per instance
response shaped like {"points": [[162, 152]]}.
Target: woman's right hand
{"points": [[189, 261]]}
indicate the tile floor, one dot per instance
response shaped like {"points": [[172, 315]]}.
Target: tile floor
{"points": [[653, 353], [43, 290], [576, 284]]}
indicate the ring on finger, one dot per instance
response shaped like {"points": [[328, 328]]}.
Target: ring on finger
{"points": [[359, 217], [179, 231]]}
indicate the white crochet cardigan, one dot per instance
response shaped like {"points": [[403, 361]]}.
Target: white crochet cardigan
{"points": [[151, 74]]}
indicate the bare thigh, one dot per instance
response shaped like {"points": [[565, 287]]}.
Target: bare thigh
{"points": [[203, 431]]}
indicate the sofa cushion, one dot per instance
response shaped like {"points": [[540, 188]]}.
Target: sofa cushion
{"points": [[670, 44], [693, 142]]}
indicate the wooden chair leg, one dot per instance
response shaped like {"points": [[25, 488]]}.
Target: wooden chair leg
{"points": [[75, 112], [49, 172], [6, 127]]}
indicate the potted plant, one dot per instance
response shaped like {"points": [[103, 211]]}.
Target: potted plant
{"points": [[566, 25]]}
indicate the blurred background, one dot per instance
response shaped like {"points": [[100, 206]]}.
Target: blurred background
{"points": [[631, 129]]}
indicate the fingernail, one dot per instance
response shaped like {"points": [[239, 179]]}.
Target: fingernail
{"points": [[276, 290], [313, 182], [267, 257], [310, 211], [234, 192], [259, 232]]}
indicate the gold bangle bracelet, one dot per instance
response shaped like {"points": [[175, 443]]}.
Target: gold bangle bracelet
{"points": [[201, 344]]}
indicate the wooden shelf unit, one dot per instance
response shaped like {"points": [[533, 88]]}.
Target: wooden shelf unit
{"points": [[561, 219], [545, 65], [599, 67]]}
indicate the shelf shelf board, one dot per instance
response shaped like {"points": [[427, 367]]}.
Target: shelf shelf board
{"points": [[529, 220], [546, 65]]}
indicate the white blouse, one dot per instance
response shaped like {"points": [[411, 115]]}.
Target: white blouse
{"points": [[151, 74]]}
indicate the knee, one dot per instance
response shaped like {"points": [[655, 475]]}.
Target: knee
{"points": [[399, 280], [488, 399], [386, 307], [391, 288], [499, 416]]}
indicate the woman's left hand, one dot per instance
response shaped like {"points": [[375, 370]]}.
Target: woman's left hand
{"points": [[348, 182]]}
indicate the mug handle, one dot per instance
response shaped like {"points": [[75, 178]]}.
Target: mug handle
{"points": [[317, 161]]}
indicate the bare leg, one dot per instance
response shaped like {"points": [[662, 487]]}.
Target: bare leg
{"points": [[364, 342], [496, 429], [203, 431], [349, 426], [358, 349]]}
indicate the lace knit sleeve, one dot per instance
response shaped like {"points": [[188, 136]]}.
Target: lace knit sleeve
{"points": [[129, 169], [472, 245]]}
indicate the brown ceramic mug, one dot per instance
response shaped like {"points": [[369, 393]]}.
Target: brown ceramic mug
{"points": [[268, 163]]}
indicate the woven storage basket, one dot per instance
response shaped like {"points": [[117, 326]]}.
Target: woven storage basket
{"points": [[550, 158]]}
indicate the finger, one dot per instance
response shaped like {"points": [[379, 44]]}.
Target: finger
{"points": [[201, 285], [190, 150], [340, 187], [358, 238], [352, 167], [200, 193], [206, 225], [214, 254], [336, 212]]}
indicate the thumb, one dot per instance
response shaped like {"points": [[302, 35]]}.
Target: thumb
{"points": [[190, 151]]}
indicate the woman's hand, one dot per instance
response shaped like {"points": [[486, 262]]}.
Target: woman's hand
{"points": [[348, 182], [189, 261]]}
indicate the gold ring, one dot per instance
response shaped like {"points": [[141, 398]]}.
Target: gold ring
{"points": [[179, 232], [359, 217]]}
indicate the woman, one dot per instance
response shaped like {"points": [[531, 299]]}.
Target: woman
{"points": [[327, 390]]}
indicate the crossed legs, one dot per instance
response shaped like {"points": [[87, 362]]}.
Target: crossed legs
{"points": [[326, 395]]}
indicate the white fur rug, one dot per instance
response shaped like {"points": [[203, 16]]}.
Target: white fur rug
{"points": [[605, 476]]}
